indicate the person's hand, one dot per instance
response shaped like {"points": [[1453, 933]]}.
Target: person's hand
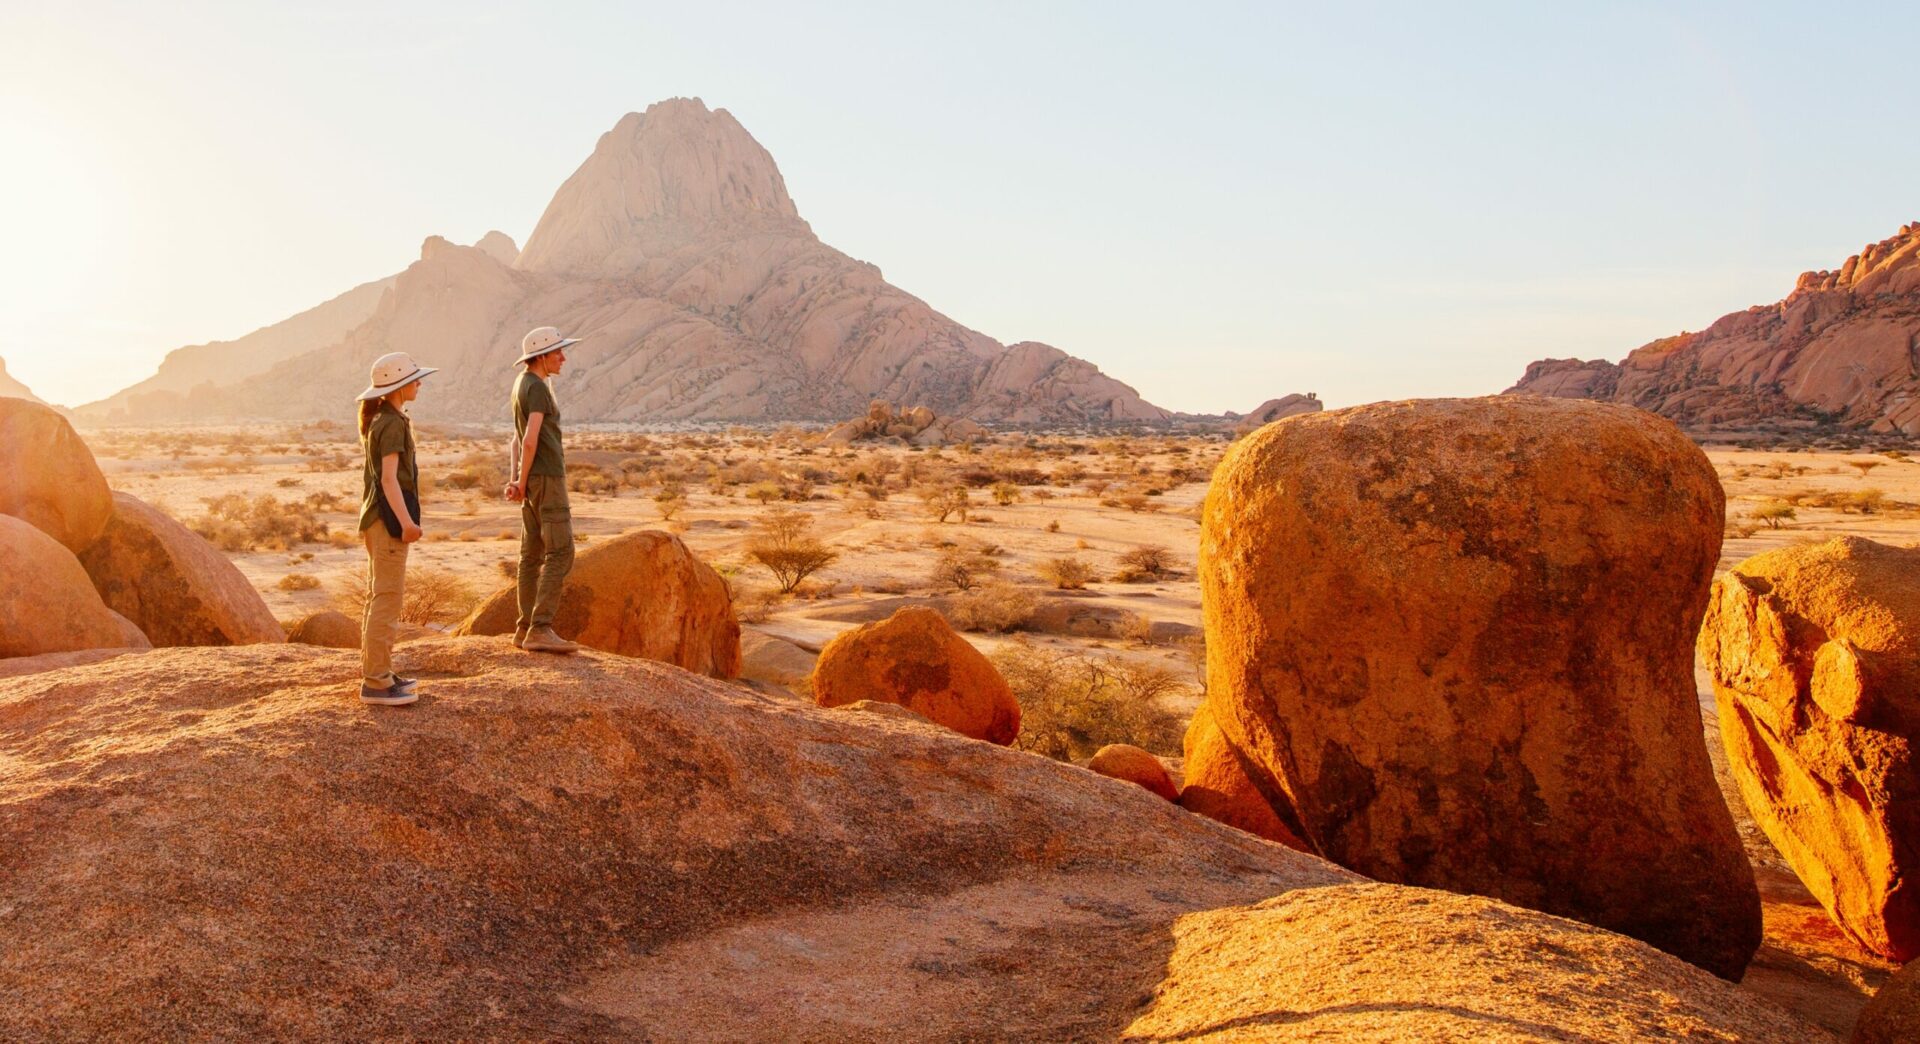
{"points": [[515, 492], [409, 532]]}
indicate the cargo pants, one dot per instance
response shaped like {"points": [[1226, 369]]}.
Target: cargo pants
{"points": [[546, 549], [386, 593]]}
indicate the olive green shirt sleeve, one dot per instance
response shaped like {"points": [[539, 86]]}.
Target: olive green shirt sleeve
{"points": [[387, 435], [538, 398]]}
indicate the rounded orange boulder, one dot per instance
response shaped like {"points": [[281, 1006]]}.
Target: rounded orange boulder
{"points": [[328, 628], [48, 605], [1456, 636], [173, 585], [1815, 657], [914, 658], [1131, 764], [639, 594], [1217, 786], [52, 482]]}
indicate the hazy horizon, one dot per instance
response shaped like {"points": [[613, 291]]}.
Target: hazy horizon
{"points": [[1242, 203]]}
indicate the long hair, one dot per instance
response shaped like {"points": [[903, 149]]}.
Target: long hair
{"points": [[369, 408]]}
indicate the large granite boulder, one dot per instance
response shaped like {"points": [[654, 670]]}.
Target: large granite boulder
{"points": [[176, 587], [1815, 657], [1455, 639], [50, 479], [914, 658], [47, 605], [639, 594]]}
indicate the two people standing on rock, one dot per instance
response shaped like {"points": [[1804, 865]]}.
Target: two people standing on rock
{"points": [[390, 518]]}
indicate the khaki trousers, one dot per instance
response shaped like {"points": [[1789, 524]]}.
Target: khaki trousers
{"points": [[546, 549], [386, 592]]}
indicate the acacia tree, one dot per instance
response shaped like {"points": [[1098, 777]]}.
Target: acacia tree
{"points": [[784, 543]]}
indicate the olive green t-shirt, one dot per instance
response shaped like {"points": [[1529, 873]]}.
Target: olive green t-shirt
{"points": [[390, 432], [532, 395]]}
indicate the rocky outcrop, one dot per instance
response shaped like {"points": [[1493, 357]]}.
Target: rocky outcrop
{"points": [[47, 604], [1530, 731], [1840, 349], [1893, 1015], [1815, 657], [914, 658], [677, 252], [639, 594], [1277, 409], [177, 588], [499, 246], [48, 477], [190, 380], [598, 847], [1376, 962], [1130, 764], [918, 425], [775, 661], [1215, 784], [329, 629], [11, 388]]}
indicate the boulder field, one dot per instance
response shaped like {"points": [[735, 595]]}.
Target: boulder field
{"points": [[600, 847], [639, 594], [1453, 641], [1815, 657], [915, 659]]}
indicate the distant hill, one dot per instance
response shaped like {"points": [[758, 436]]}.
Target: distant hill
{"points": [[677, 253], [1842, 350], [193, 375]]}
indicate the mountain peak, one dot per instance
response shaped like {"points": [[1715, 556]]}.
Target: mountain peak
{"points": [[660, 178]]}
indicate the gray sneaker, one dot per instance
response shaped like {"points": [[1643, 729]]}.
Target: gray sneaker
{"points": [[393, 697], [405, 684]]}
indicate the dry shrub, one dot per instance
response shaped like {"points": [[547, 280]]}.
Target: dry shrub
{"points": [[1005, 493], [943, 502], [1071, 705], [234, 522], [963, 569], [756, 604], [589, 479], [482, 471], [433, 596], [1067, 574], [784, 543], [997, 607], [1146, 562], [298, 582]]}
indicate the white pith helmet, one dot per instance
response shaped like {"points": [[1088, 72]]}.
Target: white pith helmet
{"points": [[392, 372], [540, 341]]}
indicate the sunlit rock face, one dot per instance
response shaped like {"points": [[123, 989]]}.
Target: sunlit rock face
{"points": [[1840, 349]]}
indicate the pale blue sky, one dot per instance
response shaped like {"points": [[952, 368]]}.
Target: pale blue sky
{"points": [[1218, 203]]}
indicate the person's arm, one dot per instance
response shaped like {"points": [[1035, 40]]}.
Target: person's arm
{"points": [[514, 489], [527, 445], [390, 485]]}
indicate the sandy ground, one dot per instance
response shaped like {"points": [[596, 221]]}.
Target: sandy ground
{"points": [[1071, 503]]}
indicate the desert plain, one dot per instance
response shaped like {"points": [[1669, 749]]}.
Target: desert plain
{"points": [[1066, 557]]}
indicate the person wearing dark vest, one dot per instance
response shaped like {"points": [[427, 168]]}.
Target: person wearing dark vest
{"points": [[389, 520], [539, 484]]}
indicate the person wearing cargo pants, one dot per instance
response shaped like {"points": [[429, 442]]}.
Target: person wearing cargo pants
{"points": [[539, 470]]}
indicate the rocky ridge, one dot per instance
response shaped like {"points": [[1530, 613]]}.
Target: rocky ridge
{"points": [[599, 847], [12, 388], [1842, 349], [677, 253]]}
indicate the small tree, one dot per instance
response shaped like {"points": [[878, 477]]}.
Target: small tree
{"points": [[669, 503], [1148, 561], [1775, 513], [784, 543], [963, 569], [765, 492], [1005, 493], [1864, 466], [943, 502]]}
